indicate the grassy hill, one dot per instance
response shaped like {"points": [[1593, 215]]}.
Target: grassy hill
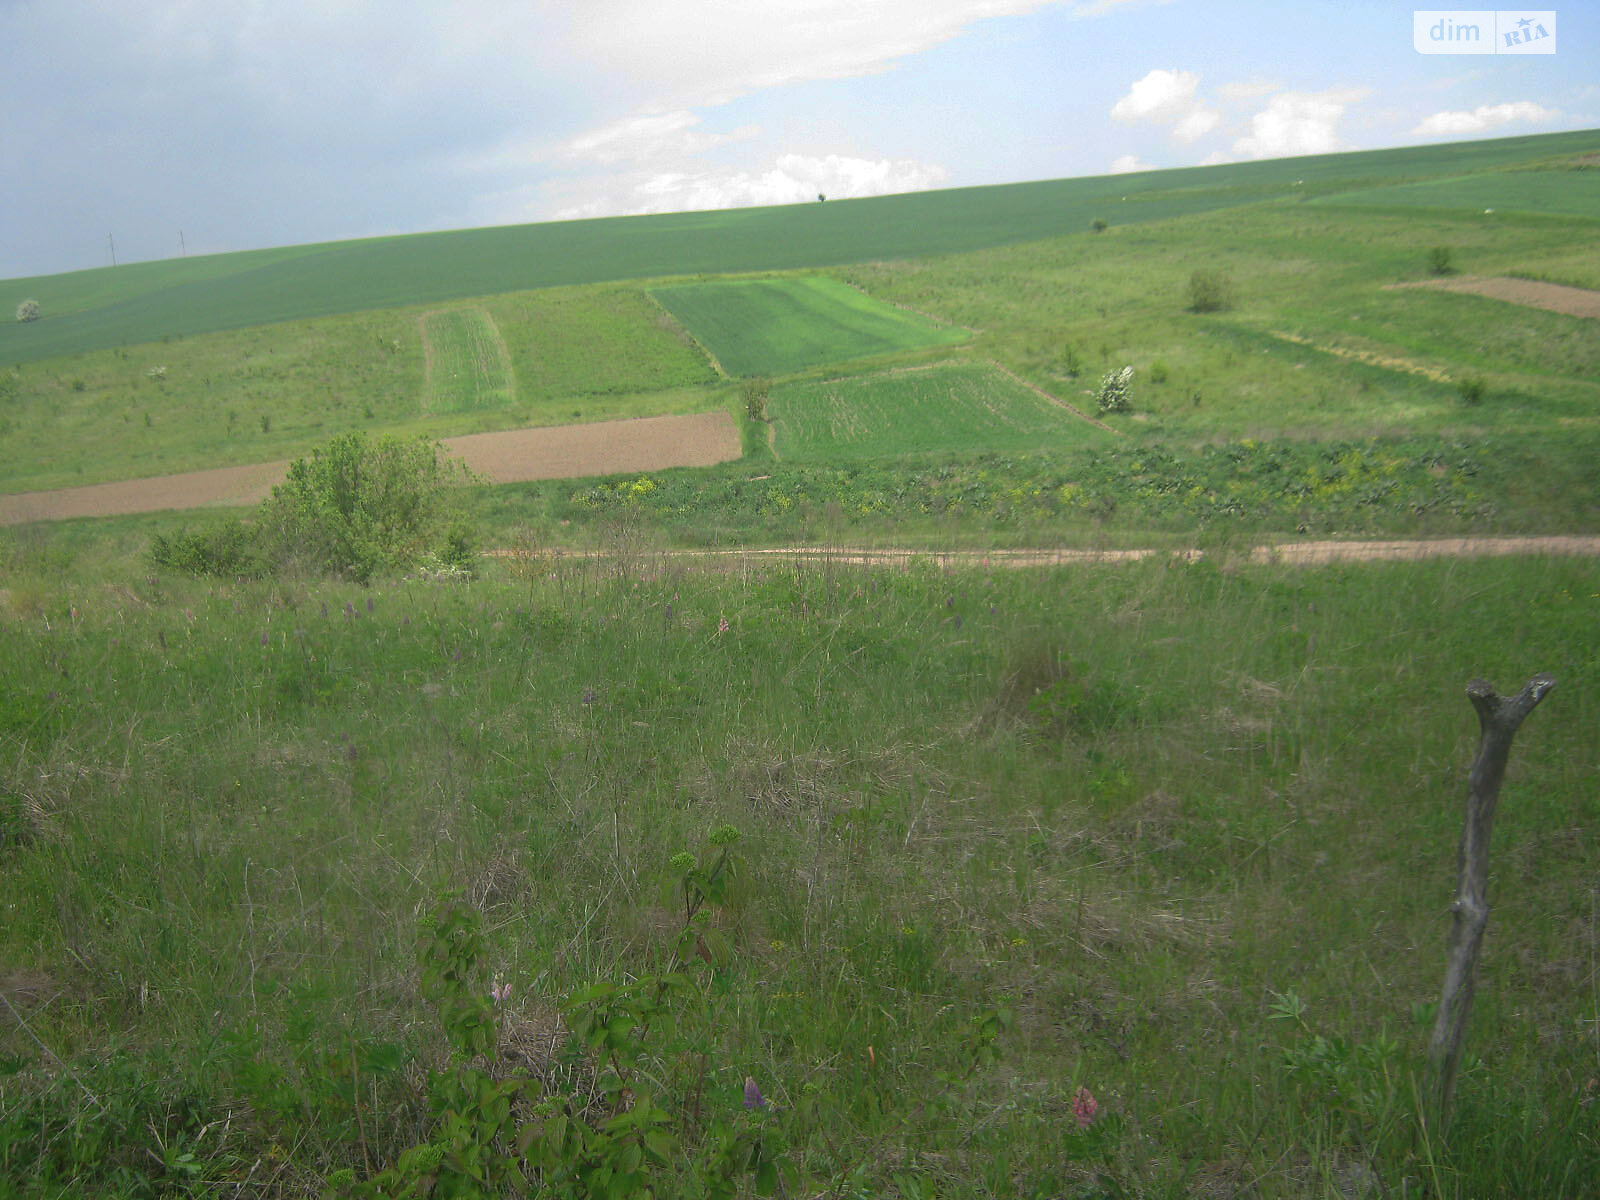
{"points": [[143, 302]]}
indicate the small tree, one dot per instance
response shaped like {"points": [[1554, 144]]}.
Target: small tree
{"points": [[1114, 392], [27, 311], [1099, 225], [754, 393], [1209, 291], [1439, 261]]}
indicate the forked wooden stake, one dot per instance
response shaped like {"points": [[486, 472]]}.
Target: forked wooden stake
{"points": [[1498, 719]]}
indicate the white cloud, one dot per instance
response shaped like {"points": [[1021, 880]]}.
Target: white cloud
{"points": [[1168, 96], [791, 179], [1298, 123], [656, 136], [1127, 163], [1485, 116], [695, 53], [1196, 125], [1159, 96], [1215, 159], [1248, 89]]}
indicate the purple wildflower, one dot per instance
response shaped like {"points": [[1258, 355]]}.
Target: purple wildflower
{"points": [[369, 604], [349, 609], [588, 695], [1084, 1108], [752, 1094], [500, 992], [263, 637]]}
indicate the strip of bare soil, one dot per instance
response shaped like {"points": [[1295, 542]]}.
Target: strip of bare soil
{"points": [[1555, 297], [512, 456]]}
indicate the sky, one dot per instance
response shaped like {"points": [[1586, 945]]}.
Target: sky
{"points": [[154, 128]]}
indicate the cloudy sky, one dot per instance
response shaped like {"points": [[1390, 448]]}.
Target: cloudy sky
{"points": [[210, 125]]}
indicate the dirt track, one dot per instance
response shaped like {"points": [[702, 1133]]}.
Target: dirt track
{"points": [[515, 456], [1293, 553], [1555, 297]]}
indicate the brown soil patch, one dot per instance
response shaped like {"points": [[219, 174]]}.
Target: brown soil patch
{"points": [[1554, 297], [514, 456]]}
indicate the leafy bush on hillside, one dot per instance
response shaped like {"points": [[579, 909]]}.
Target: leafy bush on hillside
{"points": [[1114, 394], [27, 311], [226, 549], [354, 508], [1439, 261], [1210, 291]]}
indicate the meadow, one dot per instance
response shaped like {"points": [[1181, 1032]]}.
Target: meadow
{"points": [[1123, 880], [1130, 813], [781, 326]]}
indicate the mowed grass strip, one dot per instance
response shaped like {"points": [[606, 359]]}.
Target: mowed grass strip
{"points": [[948, 406], [468, 368], [777, 326]]}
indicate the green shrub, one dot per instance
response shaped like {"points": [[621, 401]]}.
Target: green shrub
{"points": [[1114, 393], [1099, 225], [1210, 291], [27, 311], [358, 507], [1159, 371], [754, 393], [226, 549], [1071, 364], [1439, 261], [1471, 389]]}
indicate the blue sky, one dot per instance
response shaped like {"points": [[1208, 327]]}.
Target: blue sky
{"points": [[212, 125]]}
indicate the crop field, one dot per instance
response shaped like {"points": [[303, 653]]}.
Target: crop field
{"points": [[947, 406], [468, 368], [779, 326], [1570, 192], [110, 307]]}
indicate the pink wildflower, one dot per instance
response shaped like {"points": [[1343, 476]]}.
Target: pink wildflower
{"points": [[722, 625], [1084, 1108], [500, 992]]}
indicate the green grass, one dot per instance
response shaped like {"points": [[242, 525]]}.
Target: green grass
{"points": [[468, 368], [947, 406], [1128, 805], [780, 326], [274, 392], [1566, 193], [110, 307]]}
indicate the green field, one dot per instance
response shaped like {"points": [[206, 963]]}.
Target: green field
{"points": [[122, 306], [1570, 193], [948, 406], [779, 326], [468, 368]]}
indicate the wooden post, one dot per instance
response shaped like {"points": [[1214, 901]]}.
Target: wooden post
{"points": [[1498, 719]]}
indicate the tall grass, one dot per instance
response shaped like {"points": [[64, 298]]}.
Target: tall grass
{"points": [[1129, 805]]}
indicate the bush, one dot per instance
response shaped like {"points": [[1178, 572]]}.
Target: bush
{"points": [[754, 393], [1471, 389], [1158, 371], [1209, 291], [27, 311], [227, 550], [1099, 224], [356, 508], [1439, 261], [1114, 395], [1071, 364]]}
